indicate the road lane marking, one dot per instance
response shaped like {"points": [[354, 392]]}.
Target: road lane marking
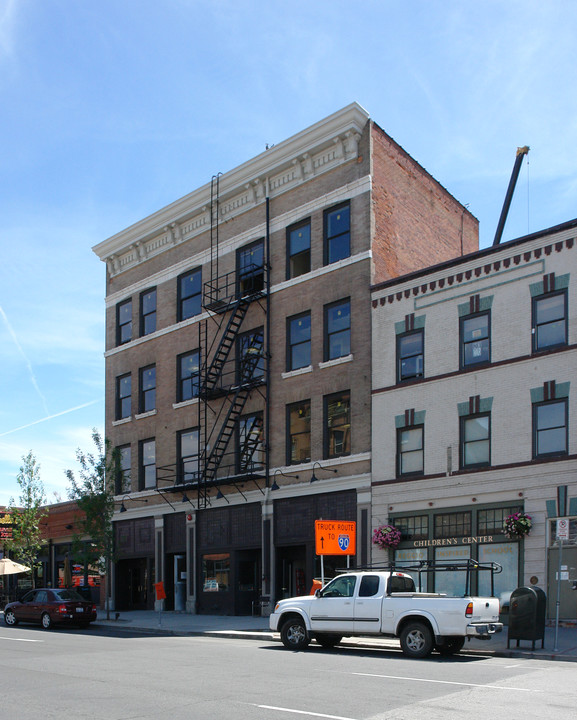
{"points": [[19, 639], [445, 682], [303, 712]]}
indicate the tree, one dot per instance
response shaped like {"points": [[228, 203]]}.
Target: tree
{"points": [[93, 491], [26, 540]]}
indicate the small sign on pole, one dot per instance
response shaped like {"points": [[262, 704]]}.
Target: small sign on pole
{"points": [[563, 528]]}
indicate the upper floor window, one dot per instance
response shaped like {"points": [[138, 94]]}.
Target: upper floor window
{"points": [[299, 249], [338, 330], [550, 432], [299, 432], [475, 339], [188, 456], [410, 450], [124, 322], [475, 441], [188, 370], [189, 294], [147, 449], [123, 396], [147, 389], [249, 356], [123, 479], [337, 233], [250, 268], [549, 321], [299, 341], [410, 355], [148, 312], [250, 443], [337, 425]]}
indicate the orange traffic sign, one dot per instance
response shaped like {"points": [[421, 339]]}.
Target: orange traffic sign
{"points": [[335, 537]]}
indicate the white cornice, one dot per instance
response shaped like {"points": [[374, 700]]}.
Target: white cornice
{"points": [[309, 153]]}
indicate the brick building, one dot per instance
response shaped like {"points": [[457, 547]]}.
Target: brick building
{"points": [[473, 403], [238, 361]]}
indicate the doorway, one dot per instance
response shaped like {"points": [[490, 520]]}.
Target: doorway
{"points": [[132, 581], [248, 584], [290, 572]]}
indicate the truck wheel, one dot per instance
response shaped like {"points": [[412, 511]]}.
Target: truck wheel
{"points": [[416, 640], [450, 646], [294, 634], [327, 640]]}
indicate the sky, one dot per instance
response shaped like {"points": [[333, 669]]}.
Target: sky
{"points": [[111, 110]]}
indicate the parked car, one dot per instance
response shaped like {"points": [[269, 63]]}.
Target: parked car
{"points": [[51, 606]]}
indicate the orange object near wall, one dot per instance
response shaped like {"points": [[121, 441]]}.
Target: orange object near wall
{"points": [[159, 588]]}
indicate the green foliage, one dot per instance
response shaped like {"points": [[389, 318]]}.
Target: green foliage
{"points": [[26, 539], [93, 490]]}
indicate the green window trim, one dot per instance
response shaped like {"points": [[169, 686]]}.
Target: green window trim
{"points": [[485, 406], [561, 283], [400, 420], [485, 303], [561, 392]]}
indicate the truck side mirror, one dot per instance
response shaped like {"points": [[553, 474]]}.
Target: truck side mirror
{"points": [[317, 592]]}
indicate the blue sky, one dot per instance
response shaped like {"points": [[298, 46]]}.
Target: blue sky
{"points": [[112, 109]]}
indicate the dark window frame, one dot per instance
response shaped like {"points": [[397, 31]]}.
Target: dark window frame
{"points": [[343, 396], [120, 326], [256, 461], [183, 381], [536, 430], [464, 442], [293, 256], [121, 487], [400, 454], [535, 326], [145, 394], [292, 345], [329, 335], [142, 466], [249, 278], [463, 345], [416, 376], [148, 317], [181, 298], [181, 472], [122, 400], [329, 239], [289, 434]]}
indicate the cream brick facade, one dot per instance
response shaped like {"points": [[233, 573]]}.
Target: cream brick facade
{"points": [[505, 280]]}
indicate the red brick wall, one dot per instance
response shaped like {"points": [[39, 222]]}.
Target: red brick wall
{"points": [[417, 222]]}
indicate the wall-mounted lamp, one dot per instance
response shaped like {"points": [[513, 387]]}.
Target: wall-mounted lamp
{"points": [[127, 497], [278, 471], [185, 499], [314, 478], [69, 527]]}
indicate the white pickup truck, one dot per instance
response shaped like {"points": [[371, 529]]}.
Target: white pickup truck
{"points": [[382, 603]]}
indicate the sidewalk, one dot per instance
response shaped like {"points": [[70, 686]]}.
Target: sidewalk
{"points": [[173, 623]]}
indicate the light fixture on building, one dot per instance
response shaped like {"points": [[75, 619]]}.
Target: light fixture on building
{"points": [[127, 497], [185, 499], [314, 478], [278, 471]]}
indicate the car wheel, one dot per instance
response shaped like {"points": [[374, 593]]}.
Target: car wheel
{"points": [[10, 618], [416, 640], [327, 640], [46, 621], [294, 634], [450, 646]]}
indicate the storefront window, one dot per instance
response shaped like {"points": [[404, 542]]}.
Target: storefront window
{"points": [[507, 555], [453, 525], [411, 556], [215, 572], [413, 528], [451, 582]]}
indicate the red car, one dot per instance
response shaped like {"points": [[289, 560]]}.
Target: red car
{"points": [[50, 606]]}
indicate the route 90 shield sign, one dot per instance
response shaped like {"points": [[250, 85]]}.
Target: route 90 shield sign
{"points": [[335, 537]]}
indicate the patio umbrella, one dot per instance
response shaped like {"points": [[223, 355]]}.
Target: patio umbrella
{"points": [[67, 579], [9, 567]]}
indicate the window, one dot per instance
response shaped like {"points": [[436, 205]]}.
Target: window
{"points": [[123, 396], [188, 456], [250, 358], [410, 455], [250, 444], [123, 479], [299, 341], [215, 572], [299, 249], [250, 265], [491, 521], [475, 340], [549, 321], [413, 527], [343, 586], [147, 389], [410, 355], [147, 449], [124, 322], [299, 432], [550, 428], [189, 295], [188, 372], [337, 234], [369, 585], [456, 524], [148, 312], [338, 425], [475, 441], [338, 330]]}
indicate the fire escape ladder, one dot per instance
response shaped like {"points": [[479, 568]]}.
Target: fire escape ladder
{"points": [[247, 450], [216, 364]]}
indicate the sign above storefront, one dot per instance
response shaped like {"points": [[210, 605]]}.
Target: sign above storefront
{"points": [[442, 542], [335, 537]]}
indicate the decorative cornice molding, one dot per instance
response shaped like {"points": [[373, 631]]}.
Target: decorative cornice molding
{"points": [[308, 154]]}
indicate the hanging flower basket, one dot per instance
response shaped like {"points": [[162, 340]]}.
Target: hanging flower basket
{"points": [[517, 526], [386, 536]]}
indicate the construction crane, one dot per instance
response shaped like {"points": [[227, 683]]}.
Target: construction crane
{"points": [[521, 152]]}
